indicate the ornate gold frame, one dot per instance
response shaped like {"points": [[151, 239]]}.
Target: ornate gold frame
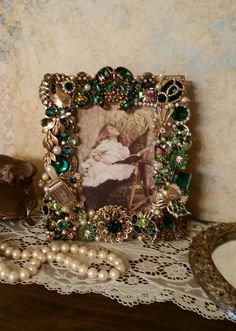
{"points": [[205, 271], [165, 215]]}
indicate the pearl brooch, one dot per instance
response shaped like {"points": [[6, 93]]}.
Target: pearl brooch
{"points": [[65, 254]]}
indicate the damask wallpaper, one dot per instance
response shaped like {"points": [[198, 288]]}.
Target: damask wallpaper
{"points": [[194, 38]]}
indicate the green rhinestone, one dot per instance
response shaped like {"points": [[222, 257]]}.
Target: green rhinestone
{"points": [[53, 205], [87, 233], [168, 222], [50, 225], [104, 73], [182, 179], [61, 224], [125, 105], [76, 210], [72, 141], [61, 111], [124, 74], [97, 88], [114, 226], [67, 150], [81, 99], [95, 99], [73, 180], [180, 113], [143, 222], [61, 164], [54, 216], [121, 86], [109, 86], [150, 230]]}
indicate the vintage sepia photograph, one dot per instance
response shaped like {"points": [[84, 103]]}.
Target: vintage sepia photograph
{"points": [[116, 157]]}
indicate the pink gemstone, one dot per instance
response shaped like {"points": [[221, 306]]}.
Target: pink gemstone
{"points": [[151, 95]]}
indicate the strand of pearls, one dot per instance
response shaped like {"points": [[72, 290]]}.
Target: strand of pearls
{"points": [[64, 254]]}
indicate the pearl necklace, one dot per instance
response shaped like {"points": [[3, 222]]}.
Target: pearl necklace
{"points": [[64, 254]]}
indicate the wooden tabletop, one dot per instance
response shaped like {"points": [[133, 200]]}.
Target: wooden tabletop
{"points": [[33, 308]]}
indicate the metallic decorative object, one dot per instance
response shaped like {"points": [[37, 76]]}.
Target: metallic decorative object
{"points": [[16, 188], [113, 223], [205, 271], [64, 97]]}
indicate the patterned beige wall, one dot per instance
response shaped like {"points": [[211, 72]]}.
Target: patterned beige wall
{"points": [[195, 38]]}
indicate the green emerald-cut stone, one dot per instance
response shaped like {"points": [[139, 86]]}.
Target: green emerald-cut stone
{"points": [[114, 227], [182, 179], [81, 99], [180, 113], [61, 164], [168, 222], [61, 224], [143, 222]]}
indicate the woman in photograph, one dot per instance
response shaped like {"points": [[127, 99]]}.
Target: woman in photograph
{"points": [[105, 164], [102, 163]]}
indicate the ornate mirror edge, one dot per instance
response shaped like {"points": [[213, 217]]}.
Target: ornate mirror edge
{"points": [[166, 218], [206, 272]]}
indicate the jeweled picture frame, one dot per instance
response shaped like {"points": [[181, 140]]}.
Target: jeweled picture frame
{"points": [[115, 166]]}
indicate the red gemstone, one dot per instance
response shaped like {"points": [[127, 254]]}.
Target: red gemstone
{"points": [[159, 150]]}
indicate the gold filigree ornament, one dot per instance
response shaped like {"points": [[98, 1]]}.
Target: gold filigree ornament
{"points": [[161, 212], [113, 223]]}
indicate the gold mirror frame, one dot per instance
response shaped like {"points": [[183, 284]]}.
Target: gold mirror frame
{"points": [[205, 270]]}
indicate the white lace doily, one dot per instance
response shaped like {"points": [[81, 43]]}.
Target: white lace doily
{"points": [[157, 272]]}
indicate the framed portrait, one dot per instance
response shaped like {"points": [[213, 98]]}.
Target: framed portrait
{"points": [[115, 166]]}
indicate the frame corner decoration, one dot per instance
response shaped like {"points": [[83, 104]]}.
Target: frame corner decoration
{"points": [[116, 91]]}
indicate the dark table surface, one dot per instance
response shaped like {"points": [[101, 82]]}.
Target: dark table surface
{"points": [[33, 308]]}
